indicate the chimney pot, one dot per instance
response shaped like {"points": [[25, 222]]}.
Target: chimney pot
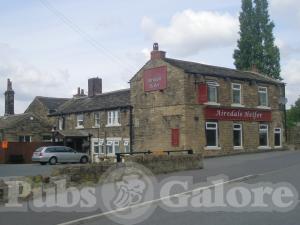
{"points": [[156, 53]]}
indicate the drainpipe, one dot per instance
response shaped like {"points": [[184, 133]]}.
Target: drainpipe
{"points": [[130, 129]]}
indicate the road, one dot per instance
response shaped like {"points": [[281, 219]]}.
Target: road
{"points": [[272, 167]]}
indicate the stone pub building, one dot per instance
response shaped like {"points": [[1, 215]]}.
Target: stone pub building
{"points": [[179, 105]]}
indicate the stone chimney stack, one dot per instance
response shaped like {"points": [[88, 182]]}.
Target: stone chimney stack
{"points": [[9, 99], [80, 93], [94, 86], [156, 54]]}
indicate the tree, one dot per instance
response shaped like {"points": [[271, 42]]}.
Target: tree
{"points": [[257, 34], [293, 114], [244, 55]]}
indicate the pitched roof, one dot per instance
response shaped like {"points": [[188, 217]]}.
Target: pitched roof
{"points": [[110, 100], [202, 69], [14, 120], [52, 103]]}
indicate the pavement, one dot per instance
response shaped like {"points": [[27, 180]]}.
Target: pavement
{"points": [[271, 167]]}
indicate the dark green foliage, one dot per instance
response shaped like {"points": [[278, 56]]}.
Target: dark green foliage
{"points": [[256, 44], [293, 114]]}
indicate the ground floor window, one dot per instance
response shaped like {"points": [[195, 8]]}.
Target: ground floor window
{"points": [[277, 137], [237, 135], [211, 130], [98, 146], [126, 146], [264, 135], [25, 138]]}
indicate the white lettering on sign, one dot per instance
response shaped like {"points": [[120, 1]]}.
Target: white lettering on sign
{"points": [[239, 114], [154, 82]]}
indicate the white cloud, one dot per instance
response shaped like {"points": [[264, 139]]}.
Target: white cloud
{"points": [[190, 32], [28, 80], [290, 73], [286, 7]]}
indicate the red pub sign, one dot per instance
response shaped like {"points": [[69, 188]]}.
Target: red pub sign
{"points": [[237, 114], [155, 79]]}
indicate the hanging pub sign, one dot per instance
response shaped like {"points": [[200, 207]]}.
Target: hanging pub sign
{"points": [[237, 114], [155, 79]]}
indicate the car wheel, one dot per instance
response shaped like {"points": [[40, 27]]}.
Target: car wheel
{"points": [[43, 163], [53, 161], [84, 160]]}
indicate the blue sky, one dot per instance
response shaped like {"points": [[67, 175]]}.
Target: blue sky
{"points": [[51, 47]]}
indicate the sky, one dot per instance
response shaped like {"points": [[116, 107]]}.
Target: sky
{"points": [[51, 47]]}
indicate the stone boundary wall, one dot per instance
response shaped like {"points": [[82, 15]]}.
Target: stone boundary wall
{"points": [[294, 137]]}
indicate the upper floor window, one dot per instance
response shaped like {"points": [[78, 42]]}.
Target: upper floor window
{"points": [[113, 118], [236, 94], [79, 121], [61, 123], [263, 96], [212, 91], [97, 119]]}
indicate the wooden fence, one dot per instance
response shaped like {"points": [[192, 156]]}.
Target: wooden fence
{"points": [[20, 152]]}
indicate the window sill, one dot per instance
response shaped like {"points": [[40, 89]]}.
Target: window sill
{"points": [[96, 127], [212, 148], [264, 147], [79, 128], [263, 107], [277, 147], [237, 105], [238, 148], [212, 103], [113, 125]]}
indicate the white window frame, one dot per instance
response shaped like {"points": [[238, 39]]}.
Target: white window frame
{"points": [[278, 130], [260, 91], [126, 145], [265, 129], [30, 138], [241, 134], [78, 120], [215, 85], [96, 119], [217, 135], [239, 88], [60, 123], [98, 142], [113, 118], [112, 142]]}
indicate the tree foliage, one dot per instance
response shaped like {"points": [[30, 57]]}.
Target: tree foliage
{"points": [[293, 114], [256, 45]]}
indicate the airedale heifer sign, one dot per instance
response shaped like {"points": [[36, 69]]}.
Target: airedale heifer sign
{"points": [[237, 114], [155, 79]]}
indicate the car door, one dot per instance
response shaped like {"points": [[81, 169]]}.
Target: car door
{"points": [[73, 156], [61, 154]]}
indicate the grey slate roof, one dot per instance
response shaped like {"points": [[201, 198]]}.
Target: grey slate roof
{"points": [[13, 120], [110, 100], [198, 68], [52, 103]]}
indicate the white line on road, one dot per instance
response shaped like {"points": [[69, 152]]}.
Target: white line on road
{"points": [[89, 218]]}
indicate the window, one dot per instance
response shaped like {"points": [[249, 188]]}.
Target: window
{"points": [[25, 138], [211, 134], [212, 91], [126, 146], [97, 119], [61, 123], [98, 146], [113, 118], [47, 138], [263, 135], [237, 135], [79, 121], [109, 147], [175, 137], [236, 94], [117, 146], [277, 137], [263, 96]]}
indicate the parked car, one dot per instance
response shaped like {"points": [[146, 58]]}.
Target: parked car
{"points": [[58, 154]]}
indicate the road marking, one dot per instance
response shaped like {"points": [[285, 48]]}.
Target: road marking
{"points": [[89, 218]]}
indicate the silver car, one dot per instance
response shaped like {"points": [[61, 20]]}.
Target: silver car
{"points": [[58, 154]]}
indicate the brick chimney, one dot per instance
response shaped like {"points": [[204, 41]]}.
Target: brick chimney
{"points": [[80, 93], [95, 86], [9, 99], [156, 54]]}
